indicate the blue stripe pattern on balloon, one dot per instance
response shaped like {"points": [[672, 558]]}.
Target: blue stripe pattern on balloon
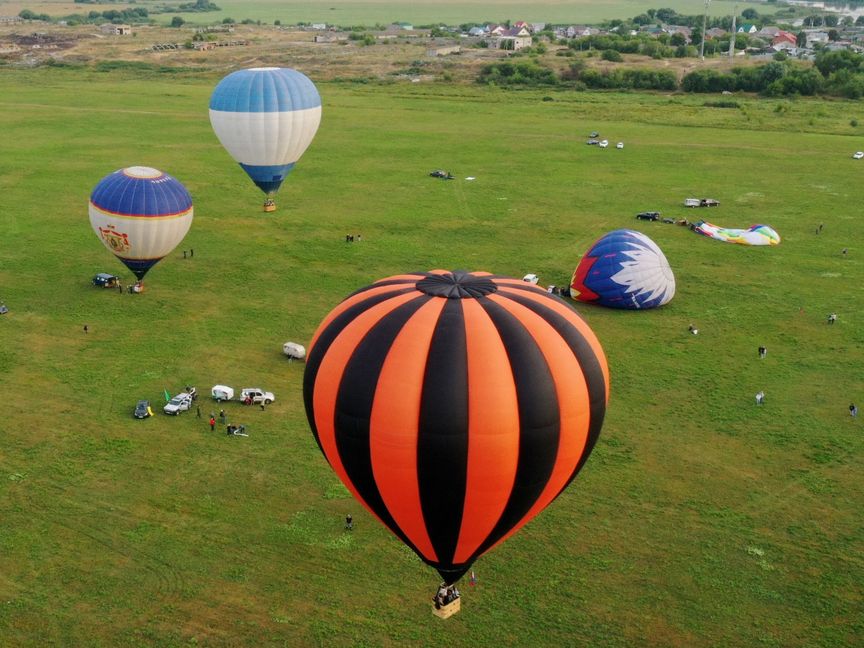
{"points": [[265, 90], [123, 194]]}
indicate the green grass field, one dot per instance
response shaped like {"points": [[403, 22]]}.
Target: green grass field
{"points": [[372, 12], [450, 12], [699, 519]]}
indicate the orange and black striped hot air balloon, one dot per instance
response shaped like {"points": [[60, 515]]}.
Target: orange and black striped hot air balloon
{"points": [[455, 406]]}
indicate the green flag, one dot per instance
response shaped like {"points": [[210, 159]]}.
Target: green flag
{"points": [[167, 396]]}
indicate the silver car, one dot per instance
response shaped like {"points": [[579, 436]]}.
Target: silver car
{"points": [[180, 403]]}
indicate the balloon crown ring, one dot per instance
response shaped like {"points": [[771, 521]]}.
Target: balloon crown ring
{"points": [[456, 285]]}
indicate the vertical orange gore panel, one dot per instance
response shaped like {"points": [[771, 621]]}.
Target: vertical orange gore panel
{"points": [[493, 436], [573, 317], [573, 401], [330, 375], [394, 422], [348, 303]]}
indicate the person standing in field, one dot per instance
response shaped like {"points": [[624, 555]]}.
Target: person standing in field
{"points": [[212, 422], [853, 410]]}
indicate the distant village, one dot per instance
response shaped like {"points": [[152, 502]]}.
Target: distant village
{"points": [[795, 41]]}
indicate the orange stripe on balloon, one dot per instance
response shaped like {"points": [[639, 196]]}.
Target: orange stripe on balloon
{"points": [[574, 318], [393, 427], [493, 423], [574, 406], [329, 377], [348, 303]]}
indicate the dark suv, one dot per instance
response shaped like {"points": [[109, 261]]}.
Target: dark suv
{"points": [[652, 216]]}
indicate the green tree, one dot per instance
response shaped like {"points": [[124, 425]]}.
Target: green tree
{"points": [[612, 55], [177, 21], [801, 39]]}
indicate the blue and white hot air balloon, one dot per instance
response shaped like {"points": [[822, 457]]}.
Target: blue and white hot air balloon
{"points": [[140, 214], [266, 118], [624, 269]]}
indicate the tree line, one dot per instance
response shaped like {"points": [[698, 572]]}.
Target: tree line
{"points": [[839, 74]]}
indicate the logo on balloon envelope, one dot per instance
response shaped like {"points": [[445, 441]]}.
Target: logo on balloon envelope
{"points": [[117, 241], [455, 406]]}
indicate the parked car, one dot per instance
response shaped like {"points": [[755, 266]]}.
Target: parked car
{"points": [[592, 142], [250, 395], [105, 280], [651, 216], [858, 155], [142, 410], [594, 134], [603, 143], [222, 393], [692, 202], [619, 145], [709, 202], [439, 173], [180, 403]]}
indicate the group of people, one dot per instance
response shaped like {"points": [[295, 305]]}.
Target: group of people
{"points": [[350, 238], [445, 595]]}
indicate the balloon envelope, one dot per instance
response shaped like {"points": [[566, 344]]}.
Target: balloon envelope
{"points": [[455, 406], [624, 269], [140, 214], [266, 118], [753, 235]]}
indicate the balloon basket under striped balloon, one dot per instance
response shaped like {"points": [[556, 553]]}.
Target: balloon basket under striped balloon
{"points": [[269, 206], [446, 611]]}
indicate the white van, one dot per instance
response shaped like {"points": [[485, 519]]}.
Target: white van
{"points": [[692, 202], [222, 393]]}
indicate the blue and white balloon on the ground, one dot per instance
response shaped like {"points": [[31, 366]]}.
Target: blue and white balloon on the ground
{"points": [[140, 214], [266, 118], [624, 269]]}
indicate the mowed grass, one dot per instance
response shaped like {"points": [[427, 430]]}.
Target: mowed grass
{"points": [[372, 12], [700, 519], [449, 12]]}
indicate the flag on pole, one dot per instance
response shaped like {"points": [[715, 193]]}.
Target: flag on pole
{"points": [[167, 396]]}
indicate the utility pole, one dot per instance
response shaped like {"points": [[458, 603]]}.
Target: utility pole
{"points": [[704, 20], [732, 39]]}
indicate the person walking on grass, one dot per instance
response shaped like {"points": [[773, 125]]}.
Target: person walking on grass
{"points": [[212, 422], [853, 410]]}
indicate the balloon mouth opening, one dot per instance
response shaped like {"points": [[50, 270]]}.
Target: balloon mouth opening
{"points": [[456, 285]]}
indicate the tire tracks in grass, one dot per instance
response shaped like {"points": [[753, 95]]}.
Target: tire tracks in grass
{"points": [[71, 513]]}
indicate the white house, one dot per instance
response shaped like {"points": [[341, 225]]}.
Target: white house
{"points": [[116, 30]]}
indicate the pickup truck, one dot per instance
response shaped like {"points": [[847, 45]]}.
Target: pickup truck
{"points": [[256, 395]]}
